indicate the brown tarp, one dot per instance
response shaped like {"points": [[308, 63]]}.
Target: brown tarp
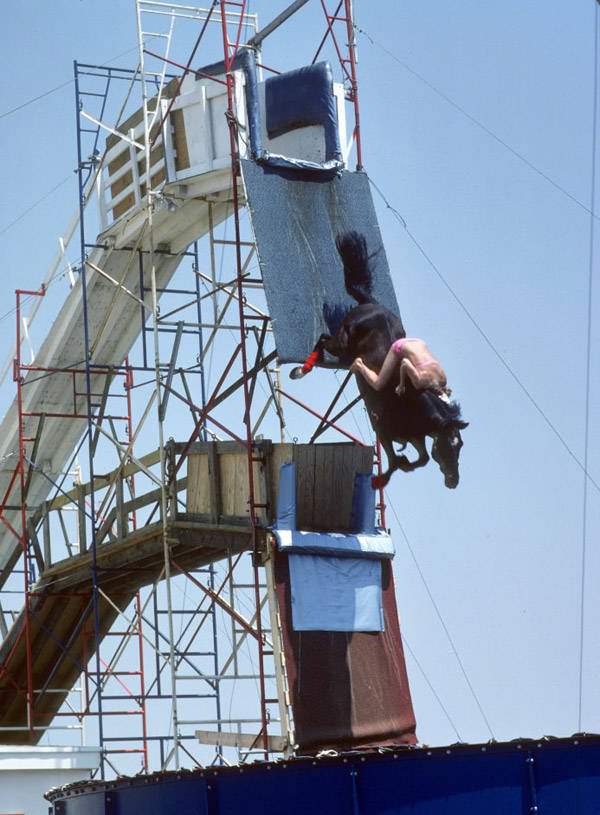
{"points": [[347, 690]]}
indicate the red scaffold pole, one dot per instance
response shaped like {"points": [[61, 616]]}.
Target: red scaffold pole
{"points": [[354, 81], [23, 493]]}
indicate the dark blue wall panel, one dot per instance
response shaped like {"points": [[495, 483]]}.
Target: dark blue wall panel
{"points": [[295, 220], [501, 779], [171, 796], [430, 786]]}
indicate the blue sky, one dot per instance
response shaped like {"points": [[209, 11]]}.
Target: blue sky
{"points": [[502, 554]]}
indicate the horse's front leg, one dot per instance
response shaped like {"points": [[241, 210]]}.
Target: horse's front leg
{"points": [[316, 355], [419, 444], [395, 462]]}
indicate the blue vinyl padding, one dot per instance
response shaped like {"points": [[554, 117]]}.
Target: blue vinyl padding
{"points": [[363, 505], [286, 496], [315, 104], [302, 98], [306, 96], [364, 542], [360, 546], [335, 578], [555, 777]]}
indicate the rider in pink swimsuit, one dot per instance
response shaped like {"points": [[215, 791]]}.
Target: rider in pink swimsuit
{"points": [[413, 359]]}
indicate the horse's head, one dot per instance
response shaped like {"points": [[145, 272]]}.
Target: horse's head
{"points": [[446, 451]]}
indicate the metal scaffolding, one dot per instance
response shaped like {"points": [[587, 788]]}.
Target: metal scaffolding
{"points": [[180, 664]]}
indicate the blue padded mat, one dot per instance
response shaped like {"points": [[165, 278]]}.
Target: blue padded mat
{"points": [[296, 218]]}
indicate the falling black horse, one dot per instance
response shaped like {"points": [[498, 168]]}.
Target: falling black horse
{"points": [[368, 330]]}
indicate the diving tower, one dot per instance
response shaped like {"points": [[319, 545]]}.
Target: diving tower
{"points": [[191, 176], [214, 525], [270, 515]]}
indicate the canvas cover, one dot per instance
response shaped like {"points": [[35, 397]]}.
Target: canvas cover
{"points": [[348, 690], [296, 218]]}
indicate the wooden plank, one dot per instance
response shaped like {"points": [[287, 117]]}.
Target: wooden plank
{"points": [[325, 513], [325, 476], [344, 485], [129, 562], [105, 528], [101, 481], [364, 457], [304, 458], [120, 511], [214, 484], [330, 487], [190, 520], [136, 117], [234, 483], [150, 497], [247, 741], [262, 473], [204, 446], [197, 498]]}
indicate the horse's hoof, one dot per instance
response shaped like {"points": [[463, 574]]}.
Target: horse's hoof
{"points": [[378, 482], [297, 373], [404, 464]]}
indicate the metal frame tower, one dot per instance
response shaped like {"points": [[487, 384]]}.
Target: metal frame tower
{"points": [[180, 651]]}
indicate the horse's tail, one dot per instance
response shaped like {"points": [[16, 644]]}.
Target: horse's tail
{"points": [[358, 277]]}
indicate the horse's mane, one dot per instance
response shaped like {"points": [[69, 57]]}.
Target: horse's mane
{"points": [[333, 316]]}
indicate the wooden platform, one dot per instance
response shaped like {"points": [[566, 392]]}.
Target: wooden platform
{"points": [[214, 525]]}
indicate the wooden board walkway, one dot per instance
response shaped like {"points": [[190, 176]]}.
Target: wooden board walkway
{"points": [[213, 525]]}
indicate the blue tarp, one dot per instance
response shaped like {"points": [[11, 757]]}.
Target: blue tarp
{"points": [[335, 593], [335, 579], [295, 223]]}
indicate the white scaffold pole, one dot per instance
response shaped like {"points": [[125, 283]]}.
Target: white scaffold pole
{"points": [[163, 467]]}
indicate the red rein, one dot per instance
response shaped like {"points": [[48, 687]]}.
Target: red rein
{"points": [[310, 362]]}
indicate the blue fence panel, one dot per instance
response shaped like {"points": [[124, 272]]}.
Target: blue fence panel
{"points": [[500, 779]]}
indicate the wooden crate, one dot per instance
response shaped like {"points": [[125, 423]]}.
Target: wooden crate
{"points": [[217, 486]]}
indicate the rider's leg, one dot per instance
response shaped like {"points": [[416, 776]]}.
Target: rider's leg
{"points": [[420, 377], [407, 371], [388, 370]]}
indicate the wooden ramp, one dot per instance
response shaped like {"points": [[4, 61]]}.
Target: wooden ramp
{"points": [[59, 629], [61, 623]]}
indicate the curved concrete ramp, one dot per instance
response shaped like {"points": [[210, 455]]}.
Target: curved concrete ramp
{"points": [[114, 325]]}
